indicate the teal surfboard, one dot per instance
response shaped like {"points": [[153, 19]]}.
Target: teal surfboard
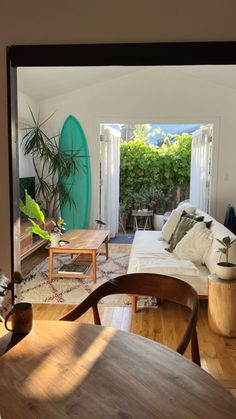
{"points": [[72, 139]]}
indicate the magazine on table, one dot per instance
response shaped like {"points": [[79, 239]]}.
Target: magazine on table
{"points": [[72, 268]]}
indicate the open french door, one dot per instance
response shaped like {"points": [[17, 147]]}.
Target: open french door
{"points": [[201, 162], [110, 178]]}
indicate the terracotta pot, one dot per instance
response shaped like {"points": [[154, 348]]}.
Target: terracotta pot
{"points": [[226, 271]]}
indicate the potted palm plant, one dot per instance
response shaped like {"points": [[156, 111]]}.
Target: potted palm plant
{"points": [[51, 166], [226, 270]]}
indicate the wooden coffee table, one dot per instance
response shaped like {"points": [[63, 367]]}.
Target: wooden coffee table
{"points": [[86, 245]]}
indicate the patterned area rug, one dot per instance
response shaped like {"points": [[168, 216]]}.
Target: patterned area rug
{"points": [[36, 288]]}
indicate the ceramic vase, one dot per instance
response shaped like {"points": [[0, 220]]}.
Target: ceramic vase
{"points": [[226, 272], [158, 221], [55, 237]]}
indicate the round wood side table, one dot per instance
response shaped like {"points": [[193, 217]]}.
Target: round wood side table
{"points": [[142, 220], [222, 306]]}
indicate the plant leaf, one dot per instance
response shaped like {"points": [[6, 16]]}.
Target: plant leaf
{"points": [[39, 231], [31, 208], [226, 240], [222, 250], [221, 242]]}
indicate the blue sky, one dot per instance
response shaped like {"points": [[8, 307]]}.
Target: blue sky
{"points": [[167, 128]]}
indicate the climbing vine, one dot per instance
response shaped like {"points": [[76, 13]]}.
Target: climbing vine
{"points": [[146, 168]]}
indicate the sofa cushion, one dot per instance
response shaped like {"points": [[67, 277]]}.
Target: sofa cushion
{"points": [[183, 226], [188, 207], [148, 255], [195, 244], [166, 266], [198, 217], [170, 225], [144, 257], [179, 232]]}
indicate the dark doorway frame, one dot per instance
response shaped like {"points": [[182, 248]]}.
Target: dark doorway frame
{"points": [[128, 54]]}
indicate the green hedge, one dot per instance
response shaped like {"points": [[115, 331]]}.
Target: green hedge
{"points": [[143, 167]]}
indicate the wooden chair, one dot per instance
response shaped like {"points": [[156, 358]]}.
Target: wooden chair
{"points": [[148, 284]]}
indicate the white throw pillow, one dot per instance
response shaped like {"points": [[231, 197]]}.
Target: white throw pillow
{"points": [[188, 207], [169, 227], [195, 244]]}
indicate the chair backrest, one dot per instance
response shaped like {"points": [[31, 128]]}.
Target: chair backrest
{"points": [[148, 284]]}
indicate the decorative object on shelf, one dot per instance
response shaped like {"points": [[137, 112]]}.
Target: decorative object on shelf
{"points": [[226, 270], [59, 226], [33, 212]]}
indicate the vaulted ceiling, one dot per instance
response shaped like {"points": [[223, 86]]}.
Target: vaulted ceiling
{"points": [[41, 83]]}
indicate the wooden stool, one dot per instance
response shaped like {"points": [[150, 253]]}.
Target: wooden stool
{"points": [[222, 306]]}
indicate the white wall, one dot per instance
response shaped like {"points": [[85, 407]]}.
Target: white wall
{"points": [[79, 21], [156, 96]]}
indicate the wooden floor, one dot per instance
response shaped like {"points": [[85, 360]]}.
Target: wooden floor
{"points": [[218, 354]]}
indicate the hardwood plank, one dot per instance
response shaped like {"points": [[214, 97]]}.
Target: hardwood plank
{"points": [[218, 353], [64, 370], [118, 317]]}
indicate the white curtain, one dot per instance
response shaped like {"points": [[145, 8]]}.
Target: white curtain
{"points": [[201, 168], [110, 179]]}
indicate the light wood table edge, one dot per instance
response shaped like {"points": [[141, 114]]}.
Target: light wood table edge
{"points": [[93, 266]]}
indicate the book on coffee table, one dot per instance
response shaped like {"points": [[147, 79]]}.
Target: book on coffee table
{"points": [[72, 268]]}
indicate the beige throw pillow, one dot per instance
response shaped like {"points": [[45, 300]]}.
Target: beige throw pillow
{"points": [[183, 226], [195, 244], [188, 207], [170, 225]]}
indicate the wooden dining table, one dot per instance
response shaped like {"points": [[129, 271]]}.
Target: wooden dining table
{"points": [[72, 370]]}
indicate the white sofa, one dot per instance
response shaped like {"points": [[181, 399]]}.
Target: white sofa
{"points": [[148, 254]]}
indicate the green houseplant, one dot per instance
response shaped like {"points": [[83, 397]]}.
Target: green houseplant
{"points": [[157, 204], [140, 199], [36, 217], [226, 270], [51, 165]]}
